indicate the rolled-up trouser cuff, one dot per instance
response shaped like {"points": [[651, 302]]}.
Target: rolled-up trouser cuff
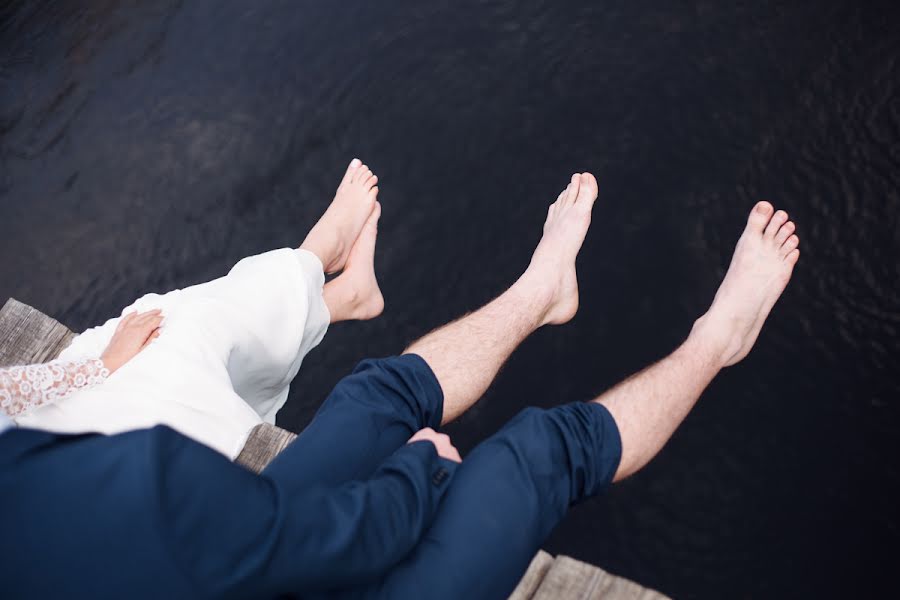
{"points": [[598, 452], [406, 382], [369, 415], [572, 450]]}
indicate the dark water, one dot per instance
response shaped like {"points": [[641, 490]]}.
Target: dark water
{"points": [[149, 145]]}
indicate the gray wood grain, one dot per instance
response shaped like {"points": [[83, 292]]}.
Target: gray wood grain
{"points": [[572, 579], [536, 572], [28, 336], [263, 444]]}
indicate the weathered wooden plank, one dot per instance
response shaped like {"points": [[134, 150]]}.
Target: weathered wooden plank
{"points": [[28, 336], [572, 579], [536, 572], [263, 444]]}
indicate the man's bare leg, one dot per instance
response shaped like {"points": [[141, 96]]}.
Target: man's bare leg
{"points": [[467, 354], [516, 486], [650, 405]]}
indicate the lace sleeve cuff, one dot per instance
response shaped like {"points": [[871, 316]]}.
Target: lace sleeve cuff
{"points": [[25, 388]]}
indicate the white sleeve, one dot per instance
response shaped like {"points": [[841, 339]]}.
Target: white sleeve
{"points": [[25, 388]]}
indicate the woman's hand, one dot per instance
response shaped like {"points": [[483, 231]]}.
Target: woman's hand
{"points": [[134, 332], [441, 441]]}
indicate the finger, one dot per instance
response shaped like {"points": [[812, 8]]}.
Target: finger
{"points": [[149, 314], [453, 454], [144, 320], [148, 329], [134, 322], [126, 320], [421, 434], [152, 327], [152, 337]]}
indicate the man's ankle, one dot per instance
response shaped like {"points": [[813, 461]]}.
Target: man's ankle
{"points": [[533, 298], [709, 340]]}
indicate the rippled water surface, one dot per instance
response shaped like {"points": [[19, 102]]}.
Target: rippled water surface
{"points": [[149, 145]]}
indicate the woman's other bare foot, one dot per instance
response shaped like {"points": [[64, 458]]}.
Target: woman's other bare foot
{"points": [[332, 238], [760, 270], [354, 294]]}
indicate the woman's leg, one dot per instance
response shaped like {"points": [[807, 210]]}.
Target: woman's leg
{"points": [[230, 347], [267, 313], [179, 380], [273, 308]]}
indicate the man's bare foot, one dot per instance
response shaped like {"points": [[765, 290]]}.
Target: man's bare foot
{"points": [[760, 270], [334, 235], [354, 294], [552, 269]]}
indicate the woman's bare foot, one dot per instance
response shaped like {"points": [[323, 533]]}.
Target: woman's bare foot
{"points": [[552, 268], [760, 270], [334, 235], [354, 294]]}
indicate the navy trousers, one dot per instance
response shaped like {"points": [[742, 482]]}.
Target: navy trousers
{"points": [[349, 510], [505, 498]]}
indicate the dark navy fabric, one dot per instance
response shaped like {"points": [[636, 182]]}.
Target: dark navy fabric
{"points": [[506, 497], [370, 414], [347, 510], [151, 514]]}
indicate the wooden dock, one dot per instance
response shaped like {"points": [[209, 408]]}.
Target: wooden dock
{"points": [[28, 336]]}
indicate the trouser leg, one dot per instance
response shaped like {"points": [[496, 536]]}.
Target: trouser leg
{"points": [[367, 416], [505, 499]]}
